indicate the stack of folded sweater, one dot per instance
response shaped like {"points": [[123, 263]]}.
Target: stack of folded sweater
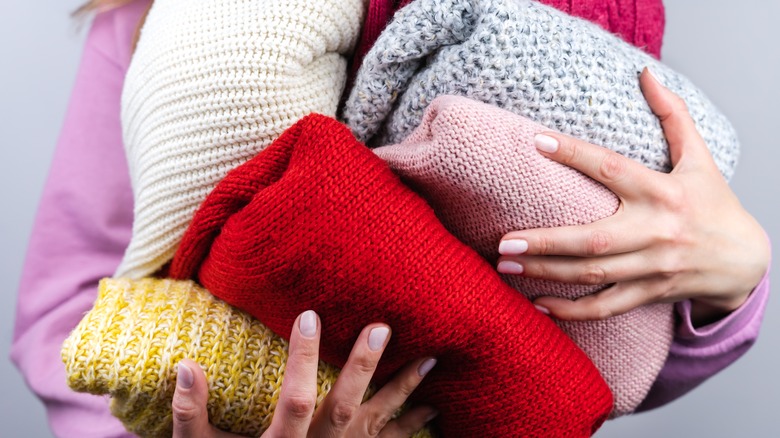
{"points": [[293, 213]]}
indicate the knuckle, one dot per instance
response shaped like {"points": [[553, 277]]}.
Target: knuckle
{"points": [[679, 104], [602, 312], [613, 167], [377, 422], [363, 365], [184, 409], [544, 246], [593, 274], [570, 151], [342, 413], [299, 406], [599, 242]]}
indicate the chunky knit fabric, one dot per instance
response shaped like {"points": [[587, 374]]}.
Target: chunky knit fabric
{"points": [[212, 83], [639, 22], [565, 73], [317, 221], [128, 346], [477, 166]]}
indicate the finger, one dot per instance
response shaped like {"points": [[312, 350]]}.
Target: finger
{"points": [[298, 395], [380, 408], [679, 128], [578, 270], [190, 418], [612, 235], [340, 407], [625, 177], [409, 422], [616, 300]]}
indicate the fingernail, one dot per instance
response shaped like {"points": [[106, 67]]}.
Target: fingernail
{"points": [[426, 366], [542, 309], [508, 267], [184, 377], [545, 143], [512, 247], [653, 75], [377, 338], [431, 416], [308, 324]]}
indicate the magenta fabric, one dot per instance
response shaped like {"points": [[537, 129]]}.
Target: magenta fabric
{"points": [[84, 223]]}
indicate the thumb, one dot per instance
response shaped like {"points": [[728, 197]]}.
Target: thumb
{"points": [[679, 129], [190, 418]]}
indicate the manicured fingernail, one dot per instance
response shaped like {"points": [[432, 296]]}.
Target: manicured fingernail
{"points": [[512, 247], [426, 366], [653, 75], [545, 143], [542, 309], [377, 338], [431, 416], [184, 377], [308, 324], [508, 267]]}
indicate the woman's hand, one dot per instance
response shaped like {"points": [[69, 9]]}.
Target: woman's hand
{"points": [[341, 414], [675, 236]]}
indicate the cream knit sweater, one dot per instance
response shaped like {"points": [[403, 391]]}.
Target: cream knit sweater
{"points": [[211, 84]]}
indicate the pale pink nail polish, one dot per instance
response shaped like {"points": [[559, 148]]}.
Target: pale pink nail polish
{"points": [[308, 324], [184, 377], [509, 267], [426, 366], [545, 143], [377, 338], [542, 309], [512, 247]]}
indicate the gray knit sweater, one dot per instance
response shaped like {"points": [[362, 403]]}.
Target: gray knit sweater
{"points": [[563, 72]]}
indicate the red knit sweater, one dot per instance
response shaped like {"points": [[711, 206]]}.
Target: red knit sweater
{"points": [[318, 221]]}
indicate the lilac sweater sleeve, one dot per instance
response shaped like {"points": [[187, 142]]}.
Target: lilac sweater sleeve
{"points": [[84, 223], [698, 353], [81, 229]]}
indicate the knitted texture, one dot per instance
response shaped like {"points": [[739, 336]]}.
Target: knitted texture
{"points": [[317, 221], [563, 72], [639, 22], [213, 82], [477, 167], [128, 345]]}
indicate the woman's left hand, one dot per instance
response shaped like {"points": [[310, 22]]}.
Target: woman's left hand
{"points": [[675, 236]]}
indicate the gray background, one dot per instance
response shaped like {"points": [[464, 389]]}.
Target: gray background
{"points": [[728, 48]]}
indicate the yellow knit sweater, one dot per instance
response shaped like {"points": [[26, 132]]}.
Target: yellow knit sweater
{"points": [[128, 345]]}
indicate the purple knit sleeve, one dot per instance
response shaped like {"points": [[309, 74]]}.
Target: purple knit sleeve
{"points": [[698, 353], [81, 229]]}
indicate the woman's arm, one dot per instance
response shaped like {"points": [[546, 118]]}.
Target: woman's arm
{"points": [[82, 227]]}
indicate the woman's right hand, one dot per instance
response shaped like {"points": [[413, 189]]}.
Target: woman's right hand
{"points": [[341, 414]]}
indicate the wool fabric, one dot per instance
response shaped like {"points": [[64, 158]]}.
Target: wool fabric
{"points": [[562, 72], [212, 83], [477, 167], [128, 346], [639, 22], [317, 221]]}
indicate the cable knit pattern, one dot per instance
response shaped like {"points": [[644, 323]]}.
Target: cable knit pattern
{"points": [[211, 84], [317, 221], [560, 71], [477, 167], [128, 346]]}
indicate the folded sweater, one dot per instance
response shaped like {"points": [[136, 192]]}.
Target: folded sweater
{"points": [[477, 167], [317, 221], [562, 72], [211, 84]]}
